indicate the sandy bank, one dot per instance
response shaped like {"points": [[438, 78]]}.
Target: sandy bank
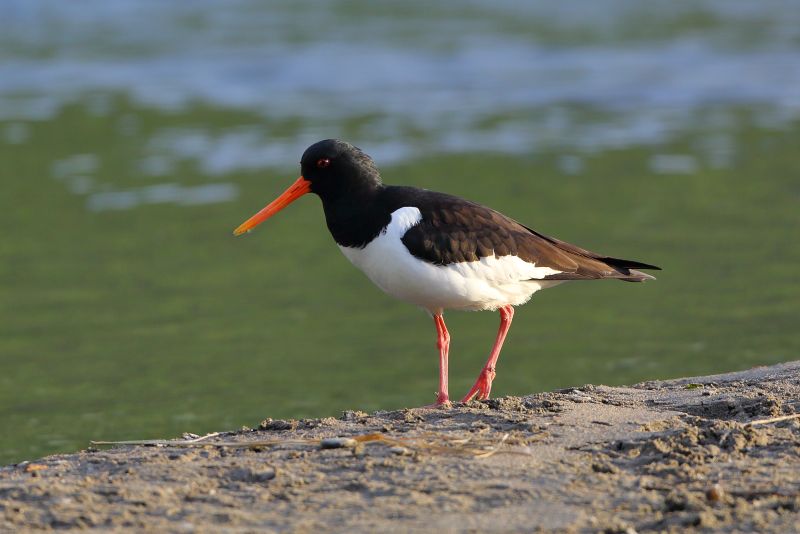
{"points": [[661, 455]]}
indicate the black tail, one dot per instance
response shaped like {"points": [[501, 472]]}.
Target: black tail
{"points": [[629, 269], [593, 268]]}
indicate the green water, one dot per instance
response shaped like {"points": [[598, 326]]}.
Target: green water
{"points": [[151, 321], [134, 136]]}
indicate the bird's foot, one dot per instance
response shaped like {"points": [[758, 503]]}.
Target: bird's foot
{"points": [[483, 385], [442, 401]]}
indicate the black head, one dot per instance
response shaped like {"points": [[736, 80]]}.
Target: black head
{"points": [[338, 172], [337, 168]]}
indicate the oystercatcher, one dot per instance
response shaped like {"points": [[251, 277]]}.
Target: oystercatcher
{"points": [[438, 251]]}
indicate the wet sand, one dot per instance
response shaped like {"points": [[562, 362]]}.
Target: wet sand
{"points": [[705, 453]]}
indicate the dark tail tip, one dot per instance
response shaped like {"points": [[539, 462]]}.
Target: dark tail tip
{"points": [[630, 264]]}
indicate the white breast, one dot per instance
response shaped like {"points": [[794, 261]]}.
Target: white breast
{"points": [[478, 285]]}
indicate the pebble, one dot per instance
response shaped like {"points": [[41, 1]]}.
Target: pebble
{"points": [[33, 469], [715, 493], [351, 415], [271, 424]]}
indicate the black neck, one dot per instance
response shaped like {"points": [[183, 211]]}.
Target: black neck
{"points": [[356, 218]]}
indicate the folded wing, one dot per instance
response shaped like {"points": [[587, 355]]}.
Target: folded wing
{"points": [[453, 230]]}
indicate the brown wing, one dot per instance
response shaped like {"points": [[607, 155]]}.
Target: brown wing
{"points": [[454, 230]]}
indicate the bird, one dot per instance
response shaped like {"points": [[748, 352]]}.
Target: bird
{"points": [[438, 251]]}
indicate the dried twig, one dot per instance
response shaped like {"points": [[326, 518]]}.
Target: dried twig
{"points": [[163, 442], [773, 420], [435, 443], [197, 443], [494, 449]]}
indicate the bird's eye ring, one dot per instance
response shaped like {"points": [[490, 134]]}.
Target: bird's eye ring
{"points": [[323, 163]]}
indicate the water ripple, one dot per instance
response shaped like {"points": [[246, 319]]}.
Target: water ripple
{"points": [[492, 75]]}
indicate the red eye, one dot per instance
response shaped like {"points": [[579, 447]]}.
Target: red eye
{"points": [[323, 163]]}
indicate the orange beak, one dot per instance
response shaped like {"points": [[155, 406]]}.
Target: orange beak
{"points": [[295, 191]]}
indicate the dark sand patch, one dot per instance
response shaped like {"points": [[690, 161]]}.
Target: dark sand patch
{"points": [[658, 456]]}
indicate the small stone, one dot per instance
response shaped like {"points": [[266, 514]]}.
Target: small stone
{"points": [[325, 421], [603, 467], [400, 451], [33, 468], [338, 443], [278, 424], [351, 415], [715, 493], [253, 475]]}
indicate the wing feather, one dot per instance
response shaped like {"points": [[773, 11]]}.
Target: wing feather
{"points": [[454, 230]]}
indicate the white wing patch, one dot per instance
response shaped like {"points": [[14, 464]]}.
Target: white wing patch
{"points": [[489, 283], [403, 220]]}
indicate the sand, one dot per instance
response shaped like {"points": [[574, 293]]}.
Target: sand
{"points": [[668, 456]]}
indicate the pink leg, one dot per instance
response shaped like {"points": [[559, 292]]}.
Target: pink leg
{"points": [[483, 385], [443, 342]]}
